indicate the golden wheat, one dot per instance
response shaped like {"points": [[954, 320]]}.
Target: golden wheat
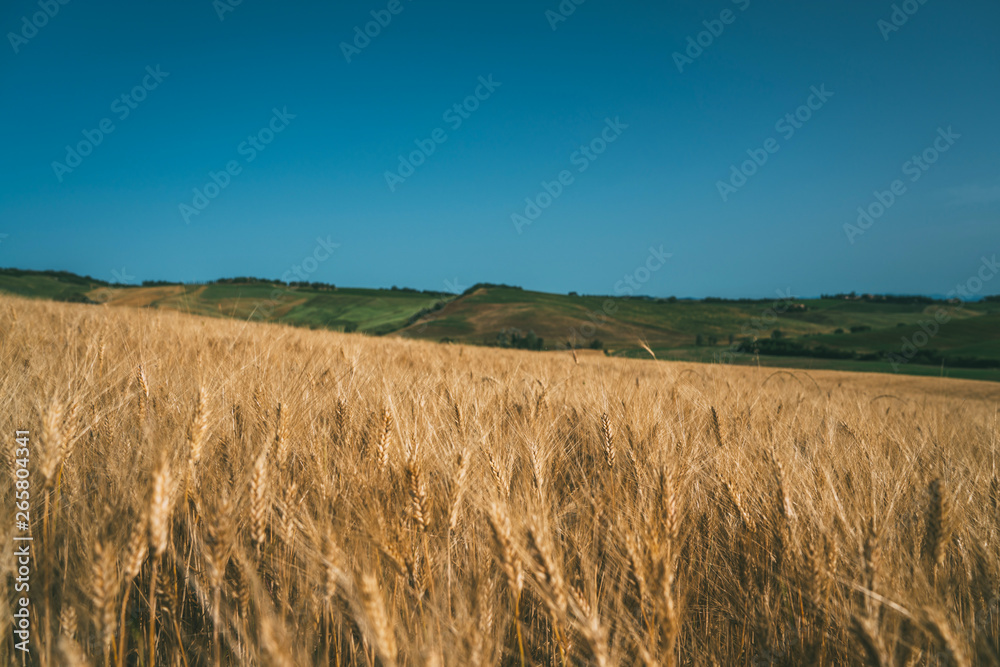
{"points": [[212, 492]]}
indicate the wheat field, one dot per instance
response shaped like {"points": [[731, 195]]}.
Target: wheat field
{"points": [[217, 492]]}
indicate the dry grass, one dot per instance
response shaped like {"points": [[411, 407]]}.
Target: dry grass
{"points": [[208, 492]]}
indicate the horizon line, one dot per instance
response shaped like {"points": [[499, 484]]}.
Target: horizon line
{"points": [[571, 293]]}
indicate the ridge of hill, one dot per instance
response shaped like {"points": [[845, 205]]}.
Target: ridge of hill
{"points": [[912, 335]]}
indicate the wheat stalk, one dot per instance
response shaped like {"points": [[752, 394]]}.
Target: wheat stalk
{"points": [[197, 432], [135, 556], [503, 536], [716, 427], [140, 377], [499, 477], [458, 485], [938, 527], [342, 419], [383, 636], [868, 635], [418, 491], [549, 575], [160, 505], [259, 499], [608, 440], [103, 589], [281, 443], [385, 437], [53, 443], [68, 619], [953, 648], [219, 543]]}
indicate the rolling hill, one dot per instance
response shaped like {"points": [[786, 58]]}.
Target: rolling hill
{"points": [[884, 334]]}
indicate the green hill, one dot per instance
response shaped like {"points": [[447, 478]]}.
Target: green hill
{"points": [[883, 334], [55, 285]]}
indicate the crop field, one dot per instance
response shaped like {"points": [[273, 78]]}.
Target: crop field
{"points": [[206, 491]]}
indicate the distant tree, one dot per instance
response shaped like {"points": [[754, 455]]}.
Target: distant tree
{"points": [[75, 297], [839, 331], [777, 334], [699, 340], [732, 339], [596, 344], [514, 338], [498, 285], [713, 341]]}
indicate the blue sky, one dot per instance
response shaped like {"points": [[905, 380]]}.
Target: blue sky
{"points": [[555, 87]]}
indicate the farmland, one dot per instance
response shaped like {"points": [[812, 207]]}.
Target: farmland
{"points": [[209, 491], [918, 336]]}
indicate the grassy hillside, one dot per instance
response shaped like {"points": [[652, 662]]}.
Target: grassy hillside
{"points": [[365, 310], [841, 333], [371, 311], [721, 331], [55, 285]]}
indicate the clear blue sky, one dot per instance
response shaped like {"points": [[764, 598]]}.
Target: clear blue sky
{"points": [[657, 184]]}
